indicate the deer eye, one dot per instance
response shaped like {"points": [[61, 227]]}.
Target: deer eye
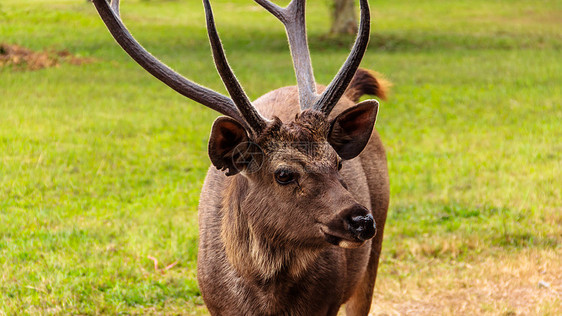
{"points": [[284, 176], [339, 164]]}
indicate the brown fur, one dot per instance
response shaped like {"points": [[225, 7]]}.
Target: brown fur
{"points": [[260, 250]]}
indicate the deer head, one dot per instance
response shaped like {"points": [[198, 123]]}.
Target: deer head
{"points": [[289, 168]]}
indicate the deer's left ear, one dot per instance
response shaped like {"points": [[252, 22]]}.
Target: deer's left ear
{"points": [[350, 131]]}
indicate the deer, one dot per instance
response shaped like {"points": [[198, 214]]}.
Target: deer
{"points": [[293, 207]]}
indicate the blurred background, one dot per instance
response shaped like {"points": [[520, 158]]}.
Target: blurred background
{"points": [[101, 165]]}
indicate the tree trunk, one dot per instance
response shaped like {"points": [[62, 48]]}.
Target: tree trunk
{"points": [[344, 19]]}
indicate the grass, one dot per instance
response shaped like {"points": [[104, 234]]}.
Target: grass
{"points": [[101, 165]]}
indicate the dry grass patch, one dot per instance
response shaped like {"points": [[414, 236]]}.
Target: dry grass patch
{"points": [[522, 283], [21, 58]]}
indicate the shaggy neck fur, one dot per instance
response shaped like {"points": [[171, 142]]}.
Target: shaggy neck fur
{"points": [[251, 254]]}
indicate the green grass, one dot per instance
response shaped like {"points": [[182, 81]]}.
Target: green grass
{"points": [[101, 164]]}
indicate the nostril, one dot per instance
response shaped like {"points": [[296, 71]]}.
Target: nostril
{"points": [[362, 226], [359, 223]]}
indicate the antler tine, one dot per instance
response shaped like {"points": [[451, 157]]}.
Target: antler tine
{"points": [[274, 9], [293, 18], [253, 118], [197, 93], [115, 7], [337, 87]]}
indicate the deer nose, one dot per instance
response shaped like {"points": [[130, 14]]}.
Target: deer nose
{"points": [[362, 225]]}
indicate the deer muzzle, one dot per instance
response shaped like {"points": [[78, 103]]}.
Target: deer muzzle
{"points": [[363, 227], [350, 228]]}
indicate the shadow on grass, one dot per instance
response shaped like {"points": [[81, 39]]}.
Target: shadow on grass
{"points": [[166, 40]]}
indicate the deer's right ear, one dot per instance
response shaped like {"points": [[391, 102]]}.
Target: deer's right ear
{"points": [[227, 145]]}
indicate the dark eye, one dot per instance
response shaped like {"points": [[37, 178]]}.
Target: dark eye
{"points": [[284, 176], [339, 164]]}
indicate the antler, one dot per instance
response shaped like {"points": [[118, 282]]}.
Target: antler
{"points": [[212, 99], [293, 18], [337, 87], [256, 121], [240, 107]]}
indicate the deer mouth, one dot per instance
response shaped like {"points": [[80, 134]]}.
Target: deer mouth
{"points": [[340, 240]]}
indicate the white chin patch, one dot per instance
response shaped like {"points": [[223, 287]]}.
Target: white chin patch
{"points": [[349, 244]]}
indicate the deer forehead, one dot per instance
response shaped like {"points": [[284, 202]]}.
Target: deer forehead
{"points": [[303, 155], [303, 139]]}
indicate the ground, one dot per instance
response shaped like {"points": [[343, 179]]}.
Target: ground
{"points": [[101, 165]]}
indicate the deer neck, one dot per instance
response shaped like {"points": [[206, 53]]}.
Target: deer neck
{"points": [[250, 253]]}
